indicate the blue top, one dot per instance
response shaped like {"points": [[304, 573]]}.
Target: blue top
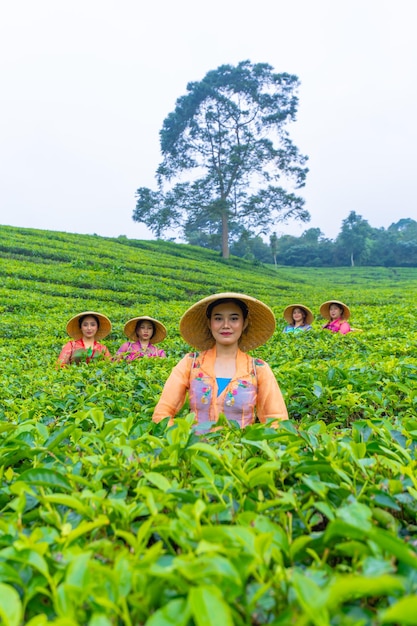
{"points": [[222, 384], [296, 329]]}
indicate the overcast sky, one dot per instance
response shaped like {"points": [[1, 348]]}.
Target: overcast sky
{"points": [[86, 84]]}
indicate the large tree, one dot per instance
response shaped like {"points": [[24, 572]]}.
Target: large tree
{"points": [[355, 239], [227, 156]]}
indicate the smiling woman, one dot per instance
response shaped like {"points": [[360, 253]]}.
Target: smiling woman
{"points": [[85, 328], [298, 318], [143, 332], [223, 378], [337, 313]]}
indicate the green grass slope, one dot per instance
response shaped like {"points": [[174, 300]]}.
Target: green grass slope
{"points": [[107, 519]]}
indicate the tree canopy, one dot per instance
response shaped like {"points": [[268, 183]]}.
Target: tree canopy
{"points": [[228, 160], [355, 237]]}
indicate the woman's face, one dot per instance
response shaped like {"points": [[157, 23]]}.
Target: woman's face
{"points": [[297, 315], [144, 331], [89, 327], [226, 323], [335, 311]]}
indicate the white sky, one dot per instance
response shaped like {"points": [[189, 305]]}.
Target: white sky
{"points": [[86, 84]]}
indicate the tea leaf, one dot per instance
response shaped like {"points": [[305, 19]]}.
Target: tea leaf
{"points": [[403, 612], [208, 607], [174, 613], [10, 606], [46, 478]]}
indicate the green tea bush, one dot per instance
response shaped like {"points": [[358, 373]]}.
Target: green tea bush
{"points": [[109, 519]]}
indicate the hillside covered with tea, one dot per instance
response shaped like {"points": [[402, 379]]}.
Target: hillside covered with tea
{"points": [[108, 519]]}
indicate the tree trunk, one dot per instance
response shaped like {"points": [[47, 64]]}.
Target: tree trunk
{"points": [[225, 236], [352, 262]]}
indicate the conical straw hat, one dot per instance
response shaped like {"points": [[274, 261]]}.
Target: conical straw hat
{"points": [[261, 322], [289, 309], [325, 307], [74, 330], [159, 334]]}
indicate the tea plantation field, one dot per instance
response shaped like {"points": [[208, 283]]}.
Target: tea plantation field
{"points": [[109, 520]]}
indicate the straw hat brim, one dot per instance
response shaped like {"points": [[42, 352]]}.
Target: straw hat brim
{"points": [[130, 329], [261, 322], [74, 330], [289, 309], [325, 307]]}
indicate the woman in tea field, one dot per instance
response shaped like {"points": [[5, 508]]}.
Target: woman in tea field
{"points": [[140, 331], [85, 329], [298, 318], [223, 378], [337, 313]]}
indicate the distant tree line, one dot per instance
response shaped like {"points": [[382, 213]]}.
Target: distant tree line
{"points": [[358, 243]]}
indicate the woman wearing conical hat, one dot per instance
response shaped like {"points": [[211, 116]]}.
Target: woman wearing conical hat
{"points": [[223, 378], [298, 318], [86, 329], [337, 313], [143, 333]]}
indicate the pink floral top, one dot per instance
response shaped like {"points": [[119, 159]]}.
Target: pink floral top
{"points": [[133, 350], [338, 326], [75, 352]]}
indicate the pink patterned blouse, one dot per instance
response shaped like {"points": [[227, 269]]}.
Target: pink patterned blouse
{"points": [[338, 326], [133, 350]]}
